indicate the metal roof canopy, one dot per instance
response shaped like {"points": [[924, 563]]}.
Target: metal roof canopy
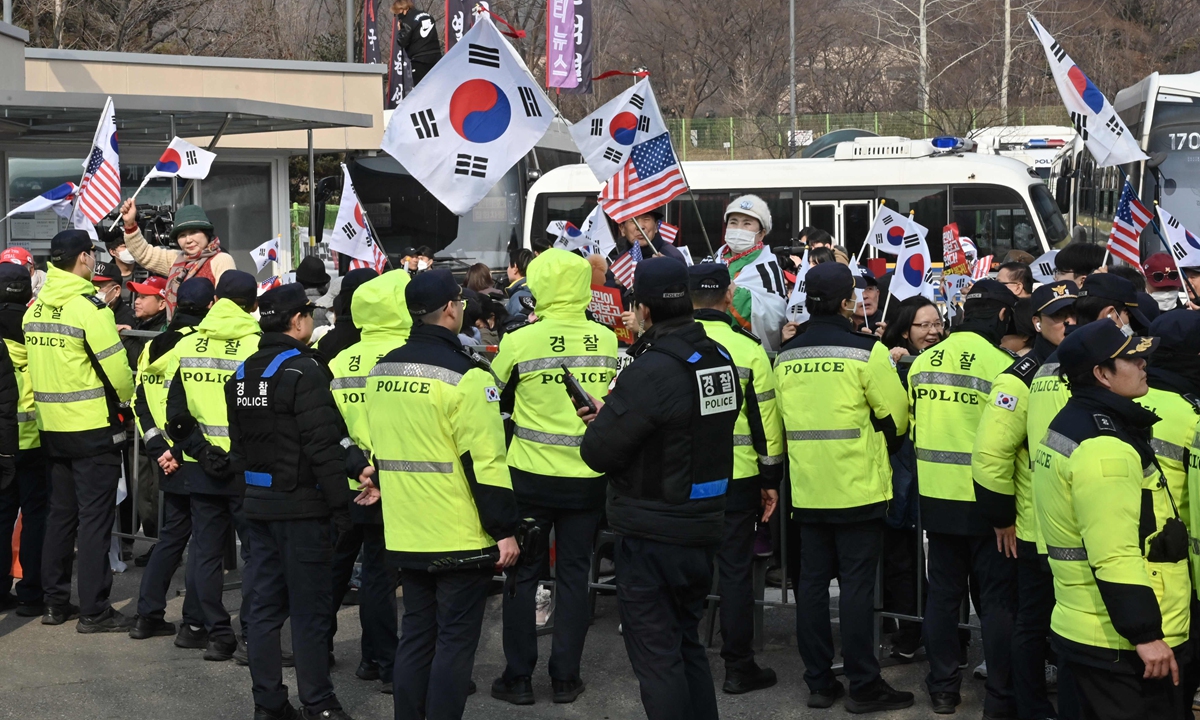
{"points": [[71, 117]]}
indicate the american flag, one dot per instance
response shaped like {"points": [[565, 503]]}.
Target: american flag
{"points": [[668, 232], [649, 179], [378, 263], [623, 268], [1132, 217], [100, 189], [983, 266]]}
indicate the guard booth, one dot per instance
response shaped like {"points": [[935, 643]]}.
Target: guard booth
{"points": [[255, 114]]}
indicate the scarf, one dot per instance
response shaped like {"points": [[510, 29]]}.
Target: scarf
{"points": [[187, 267]]}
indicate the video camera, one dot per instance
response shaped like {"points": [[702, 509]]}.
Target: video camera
{"points": [[155, 221]]}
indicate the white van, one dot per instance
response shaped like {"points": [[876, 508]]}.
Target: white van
{"points": [[999, 202]]}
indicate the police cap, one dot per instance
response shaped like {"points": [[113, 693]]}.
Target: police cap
{"points": [[1053, 297], [988, 289], [708, 277], [660, 278], [828, 281], [68, 244], [15, 284], [430, 291], [284, 300], [237, 285], [1178, 331], [1096, 342], [1119, 291], [198, 292]]}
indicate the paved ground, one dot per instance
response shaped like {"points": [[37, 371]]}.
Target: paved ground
{"points": [[53, 672]]}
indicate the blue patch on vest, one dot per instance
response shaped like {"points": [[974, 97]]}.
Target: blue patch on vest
{"points": [[714, 488], [258, 479], [694, 358], [280, 359], [241, 371], [723, 353]]}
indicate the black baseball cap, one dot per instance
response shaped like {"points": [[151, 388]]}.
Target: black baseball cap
{"points": [[828, 280], [1053, 297], [284, 300], [708, 277], [15, 284], [1178, 331], [68, 244], [1096, 342], [106, 272], [865, 279], [237, 285], [988, 289], [1117, 290], [660, 278], [197, 292], [430, 291]]}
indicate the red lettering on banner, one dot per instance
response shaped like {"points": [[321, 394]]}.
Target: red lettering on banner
{"points": [[606, 307]]}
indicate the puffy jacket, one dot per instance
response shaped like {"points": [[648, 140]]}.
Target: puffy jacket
{"points": [[758, 447], [11, 315], [843, 408], [382, 312], [438, 442], [77, 367], [150, 397], [543, 451], [1102, 505], [948, 387], [10, 400]]}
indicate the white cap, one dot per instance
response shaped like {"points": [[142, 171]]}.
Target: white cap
{"points": [[751, 205]]}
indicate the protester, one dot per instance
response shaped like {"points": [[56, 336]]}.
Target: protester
{"points": [[150, 313], [314, 278], [79, 377], [345, 330], [479, 278], [1077, 261], [1017, 277], [20, 256], [520, 298], [286, 436], [418, 37], [643, 230], [1163, 280], [1117, 547], [106, 279], [1018, 256], [668, 454], [867, 313], [24, 486], [199, 255], [114, 242]]}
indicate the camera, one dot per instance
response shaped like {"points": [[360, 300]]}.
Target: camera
{"points": [[155, 222]]}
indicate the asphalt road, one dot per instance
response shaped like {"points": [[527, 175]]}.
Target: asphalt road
{"points": [[54, 672]]}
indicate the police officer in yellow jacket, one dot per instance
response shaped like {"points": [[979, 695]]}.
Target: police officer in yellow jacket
{"points": [[449, 514], [949, 385], [29, 492], [199, 366], [80, 378], [843, 409], [1117, 546], [1004, 495], [552, 484], [753, 493], [194, 298], [380, 312], [1173, 375]]}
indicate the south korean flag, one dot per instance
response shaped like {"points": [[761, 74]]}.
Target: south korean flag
{"points": [[607, 136], [352, 234], [475, 114], [887, 232]]}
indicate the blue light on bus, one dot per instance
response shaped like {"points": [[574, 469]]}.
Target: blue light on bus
{"points": [[947, 142]]}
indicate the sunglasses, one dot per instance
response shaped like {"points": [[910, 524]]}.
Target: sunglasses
{"points": [[1161, 276]]}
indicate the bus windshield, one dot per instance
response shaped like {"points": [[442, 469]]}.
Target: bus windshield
{"points": [[1176, 131]]}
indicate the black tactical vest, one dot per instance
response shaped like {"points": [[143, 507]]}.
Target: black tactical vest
{"points": [[270, 439]]}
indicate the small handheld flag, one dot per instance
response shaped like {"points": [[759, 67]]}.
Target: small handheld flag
{"points": [[266, 253], [352, 234], [58, 199]]}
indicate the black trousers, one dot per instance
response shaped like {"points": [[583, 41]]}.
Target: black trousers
{"points": [[1106, 695], [376, 598], [28, 495], [443, 617], [290, 563], [850, 552], [1189, 674], [661, 589], [735, 561], [900, 582], [164, 561], [952, 558], [83, 506], [1031, 628], [574, 532], [214, 518]]}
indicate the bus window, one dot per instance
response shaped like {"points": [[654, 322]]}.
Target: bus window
{"points": [[1049, 213], [996, 219], [549, 208], [929, 205]]}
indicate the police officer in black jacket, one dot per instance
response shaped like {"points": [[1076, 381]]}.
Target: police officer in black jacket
{"points": [[288, 438], [665, 439]]}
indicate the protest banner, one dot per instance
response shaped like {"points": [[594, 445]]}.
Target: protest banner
{"points": [[606, 308]]}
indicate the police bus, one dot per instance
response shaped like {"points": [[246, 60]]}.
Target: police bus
{"points": [[998, 201]]}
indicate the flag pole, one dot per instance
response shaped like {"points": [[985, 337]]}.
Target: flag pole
{"points": [[132, 197], [696, 207], [1187, 286], [867, 239]]}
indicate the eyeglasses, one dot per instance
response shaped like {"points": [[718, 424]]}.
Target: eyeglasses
{"points": [[927, 326], [1169, 275]]}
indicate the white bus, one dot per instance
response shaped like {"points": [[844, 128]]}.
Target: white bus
{"points": [[999, 202]]}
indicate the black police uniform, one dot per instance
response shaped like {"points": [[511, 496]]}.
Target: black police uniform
{"points": [[665, 439], [289, 439], [177, 508]]}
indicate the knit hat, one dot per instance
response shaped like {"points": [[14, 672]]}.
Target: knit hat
{"points": [[190, 217]]}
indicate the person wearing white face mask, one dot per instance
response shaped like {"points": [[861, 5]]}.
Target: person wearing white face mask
{"points": [[1163, 281], [124, 262], [1107, 296], [747, 223]]}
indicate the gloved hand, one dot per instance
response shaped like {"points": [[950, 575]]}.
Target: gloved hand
{"points": [[342, 522], [8, 470], [214, 462]]}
